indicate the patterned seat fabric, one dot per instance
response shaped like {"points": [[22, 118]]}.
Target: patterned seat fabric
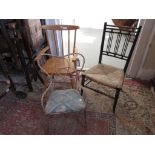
{"points": [[106, 74], [68, 100]]}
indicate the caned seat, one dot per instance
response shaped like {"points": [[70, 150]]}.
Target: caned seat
{"points": [[106, 75]]}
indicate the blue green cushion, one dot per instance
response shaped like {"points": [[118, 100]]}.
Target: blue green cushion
{"points": [[68, 100]]}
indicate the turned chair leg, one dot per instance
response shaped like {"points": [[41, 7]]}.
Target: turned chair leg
{"points": [[116, 99]]}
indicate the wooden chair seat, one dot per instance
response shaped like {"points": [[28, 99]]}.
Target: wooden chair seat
{"points": [[59, 65]]}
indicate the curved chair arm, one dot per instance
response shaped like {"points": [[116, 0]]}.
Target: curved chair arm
{"points": [[51, 84], [42, 52], [39, 56], [74, 58]]}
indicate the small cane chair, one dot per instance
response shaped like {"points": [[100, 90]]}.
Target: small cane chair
{"points": [[117, 42], [63, 102], [60, 62]]}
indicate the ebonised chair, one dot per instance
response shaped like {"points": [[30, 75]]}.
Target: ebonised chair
{"points": [[117, 42]]}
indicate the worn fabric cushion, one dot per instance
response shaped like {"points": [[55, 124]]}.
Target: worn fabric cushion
{"points": [[68, 100], [106, 75]]}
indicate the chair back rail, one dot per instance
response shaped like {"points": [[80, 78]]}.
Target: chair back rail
{"points": [[119, 42]]}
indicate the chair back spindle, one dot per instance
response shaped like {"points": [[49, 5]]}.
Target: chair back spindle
{"points": [[62, 44], [55, 42], [68, 42], [74, 42]]}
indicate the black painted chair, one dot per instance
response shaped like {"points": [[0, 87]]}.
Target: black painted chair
{"points": [[117, 42]]}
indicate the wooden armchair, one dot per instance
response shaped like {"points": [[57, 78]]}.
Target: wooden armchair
{"points": [[58, 62]]}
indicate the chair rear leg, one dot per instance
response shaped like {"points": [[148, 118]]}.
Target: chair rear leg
{"points": [[116, 99], [82, 83], [85, 119], [72, 81], [46, 125]]}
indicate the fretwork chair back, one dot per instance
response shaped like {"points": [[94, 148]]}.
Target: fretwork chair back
{"points": [[117, 42], [60, 57]]}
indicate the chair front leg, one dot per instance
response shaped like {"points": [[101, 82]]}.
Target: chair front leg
{"points": [[82, 83], [116, 99], [85, 119]]}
